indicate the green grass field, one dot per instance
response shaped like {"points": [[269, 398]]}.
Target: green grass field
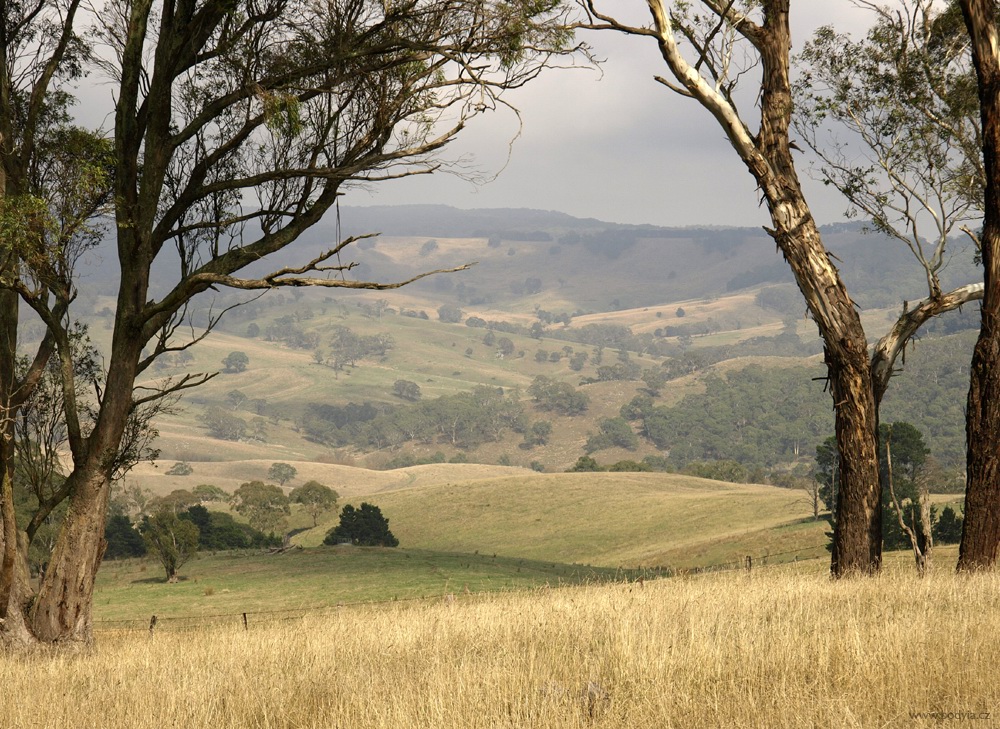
{"points": [[471, 528], [227, 584], [608, 519]]}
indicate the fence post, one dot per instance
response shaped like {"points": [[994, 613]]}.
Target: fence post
{"points": [[749, 563], [152, 625], [245, 626]]}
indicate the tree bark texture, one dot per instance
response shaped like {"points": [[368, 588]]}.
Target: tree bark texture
{"points": [[981, 531], [62, 611], [857, 542]]}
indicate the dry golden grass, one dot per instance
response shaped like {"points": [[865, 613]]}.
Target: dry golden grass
{"points": [[774, 649]]}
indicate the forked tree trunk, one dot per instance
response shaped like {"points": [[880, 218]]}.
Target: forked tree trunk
{"points": [[63, 609], [768, 156], [981, 531]]}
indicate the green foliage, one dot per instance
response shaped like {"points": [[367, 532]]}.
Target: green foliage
{"points": [[236, 362], [584, 464], [223, 424], [365, 526], [171, 539], [552, 395], [628, 465], [281, 472], [207, 492], [718, 470], [449, 313], [538, 434], [123, 539], [613, 432], [315, 498], [347, 348], [752, 416], [909, 455], [220, 531], [406, 389], [264, 505], [465, 420], [176, 501]]}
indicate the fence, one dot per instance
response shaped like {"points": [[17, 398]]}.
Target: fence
{"points": [[247, 620]]}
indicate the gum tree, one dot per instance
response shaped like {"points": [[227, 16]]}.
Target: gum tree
{"points": [[703, 45], [237, 126], [981, 530]]}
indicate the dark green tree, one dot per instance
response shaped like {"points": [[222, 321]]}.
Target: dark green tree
{"points": [[585, 464], [364, 526], [406, 389], [236, 362], [123, 539], [948, 528]]}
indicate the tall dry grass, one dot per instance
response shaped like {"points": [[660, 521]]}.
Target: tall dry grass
{"points": [[769, 650]]}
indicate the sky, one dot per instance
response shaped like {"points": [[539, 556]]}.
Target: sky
{"points": [[615, 145]]}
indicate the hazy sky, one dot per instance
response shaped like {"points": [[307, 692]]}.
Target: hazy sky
{"points": [[616, 146]]}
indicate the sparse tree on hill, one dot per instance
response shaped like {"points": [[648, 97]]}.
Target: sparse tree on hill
{"points": [[281, 472], [315, 498], [236, 362], [449, 313], [406, 389]]}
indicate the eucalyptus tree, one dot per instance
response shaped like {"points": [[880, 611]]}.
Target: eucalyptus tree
{"points": [[237, 126], [981, 531], [894, 121], [710, 47], [53, 182]]}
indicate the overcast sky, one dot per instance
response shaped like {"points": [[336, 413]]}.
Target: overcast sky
{"points": [[616, 146]]}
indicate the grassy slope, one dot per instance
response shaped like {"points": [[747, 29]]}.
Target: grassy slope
{"points": [[609, 519], [231, 583]]}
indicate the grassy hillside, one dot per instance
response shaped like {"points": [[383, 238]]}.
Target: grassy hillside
{"points": [[232, 583], [607, 519]]}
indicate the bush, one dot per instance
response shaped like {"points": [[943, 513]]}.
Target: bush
{"points": [[181, 468], [364, 526]]}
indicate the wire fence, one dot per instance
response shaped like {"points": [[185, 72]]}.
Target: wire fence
{"points": [[251, 618]]}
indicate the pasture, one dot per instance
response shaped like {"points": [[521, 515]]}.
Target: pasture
{"points": [[777, 648]]}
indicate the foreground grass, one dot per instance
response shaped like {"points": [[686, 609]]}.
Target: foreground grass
{"points": [[775, 649]]}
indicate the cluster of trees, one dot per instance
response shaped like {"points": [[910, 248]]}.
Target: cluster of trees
{"points": [[465, 420], [751, 416], [174, 527], [348, 347], [551, 395]]}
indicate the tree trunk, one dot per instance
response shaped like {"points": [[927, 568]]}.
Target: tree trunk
{"points": [[62, 611], [8, 532], [981, 531]]}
